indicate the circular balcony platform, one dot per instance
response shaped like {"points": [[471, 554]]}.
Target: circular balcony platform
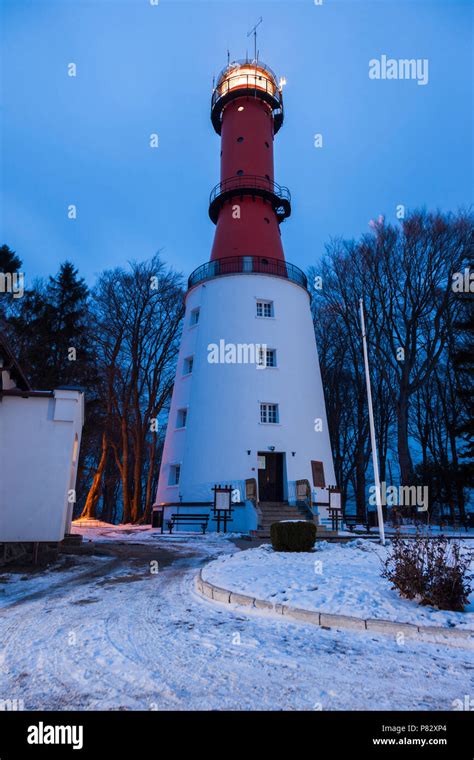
{"points": [[248, 265], [255, 186]]}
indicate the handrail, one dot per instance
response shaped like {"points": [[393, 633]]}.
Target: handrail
{"points": [[240, 63], [248, 265], [249, 182], [252, 82]]}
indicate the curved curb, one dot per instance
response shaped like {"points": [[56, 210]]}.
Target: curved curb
{"points": [[451, 636]]}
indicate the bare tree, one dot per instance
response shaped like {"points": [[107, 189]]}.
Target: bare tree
{"points": [[138, 317]]}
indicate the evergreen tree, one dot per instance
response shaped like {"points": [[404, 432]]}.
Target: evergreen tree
{"points": [[53, 331]]}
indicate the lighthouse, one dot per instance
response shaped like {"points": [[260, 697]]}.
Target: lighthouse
{"points": [[248, 406]]}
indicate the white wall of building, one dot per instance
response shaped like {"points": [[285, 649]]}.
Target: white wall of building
{"points": [[39, 446], [223, 400]]}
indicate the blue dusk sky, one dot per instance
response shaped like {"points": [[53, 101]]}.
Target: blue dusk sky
{"points": [[144, 68]]}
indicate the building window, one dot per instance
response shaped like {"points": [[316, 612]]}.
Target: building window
{"points": [[188, 365], [181, 418], [267, 357], [270, 359], [175, 472], [194, 319], [269, 413], [264, 308]]}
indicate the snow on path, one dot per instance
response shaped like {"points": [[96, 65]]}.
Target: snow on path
{"points": [[137, 640], [343, 579]]}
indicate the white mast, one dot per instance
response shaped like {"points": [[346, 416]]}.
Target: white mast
{"points": [[372, 427]]}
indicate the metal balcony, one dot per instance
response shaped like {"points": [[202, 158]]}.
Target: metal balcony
{"points": [[248, 265], [254, 185]]}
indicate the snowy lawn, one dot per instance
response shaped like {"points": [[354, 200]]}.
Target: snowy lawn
{"points": [[107, 633], [338, 578]]}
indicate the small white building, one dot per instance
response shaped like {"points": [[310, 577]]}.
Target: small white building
{"points": [[40, 436]]}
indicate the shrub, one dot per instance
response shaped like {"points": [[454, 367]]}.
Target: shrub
{"points": [[432, 570], [295, 536]]}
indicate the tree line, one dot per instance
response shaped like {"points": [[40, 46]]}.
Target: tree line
{"points": [[119, 341], [418, 298]]}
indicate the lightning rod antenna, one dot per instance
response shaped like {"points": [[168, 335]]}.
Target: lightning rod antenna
{"points": [[254, 32]]}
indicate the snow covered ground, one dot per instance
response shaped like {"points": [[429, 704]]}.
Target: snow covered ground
{"points": [[108, 632], [340, 578]]}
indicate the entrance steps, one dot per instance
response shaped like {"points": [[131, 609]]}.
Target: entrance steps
{"points": [[279, 511]]}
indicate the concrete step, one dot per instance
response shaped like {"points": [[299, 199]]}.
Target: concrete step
{"points": [[284, 514]]}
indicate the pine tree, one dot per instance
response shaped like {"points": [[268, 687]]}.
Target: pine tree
{"points": [[53, 331]]}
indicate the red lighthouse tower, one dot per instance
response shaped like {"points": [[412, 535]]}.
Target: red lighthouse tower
{"points": [[247, 205]]}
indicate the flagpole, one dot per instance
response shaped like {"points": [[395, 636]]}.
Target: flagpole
{"points": [[372, 427]]}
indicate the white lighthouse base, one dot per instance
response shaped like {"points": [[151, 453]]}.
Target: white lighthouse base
{"points": [[234, 423]]}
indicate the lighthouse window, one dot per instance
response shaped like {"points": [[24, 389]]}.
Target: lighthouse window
{"points": [[267, 144], [240, 172], [188, 365], [240, 108], [266, 219], [269, 413], [267, 357], [240, 139], [264, 308], [194, 319], [175, 472], [181, 418], [270, 359]]}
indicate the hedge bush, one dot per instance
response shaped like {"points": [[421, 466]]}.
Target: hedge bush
{"points": [[433, 571], [295, 536]]}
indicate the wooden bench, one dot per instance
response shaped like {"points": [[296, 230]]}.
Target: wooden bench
{"points": [[351, 522], [200, 519]]}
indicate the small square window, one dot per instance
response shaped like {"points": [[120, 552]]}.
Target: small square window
{"points": [[269, 413], [181, 418], [264, 308], [270, 358], [194, 319], [175, 472], [267, 357], [188, 365]]}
